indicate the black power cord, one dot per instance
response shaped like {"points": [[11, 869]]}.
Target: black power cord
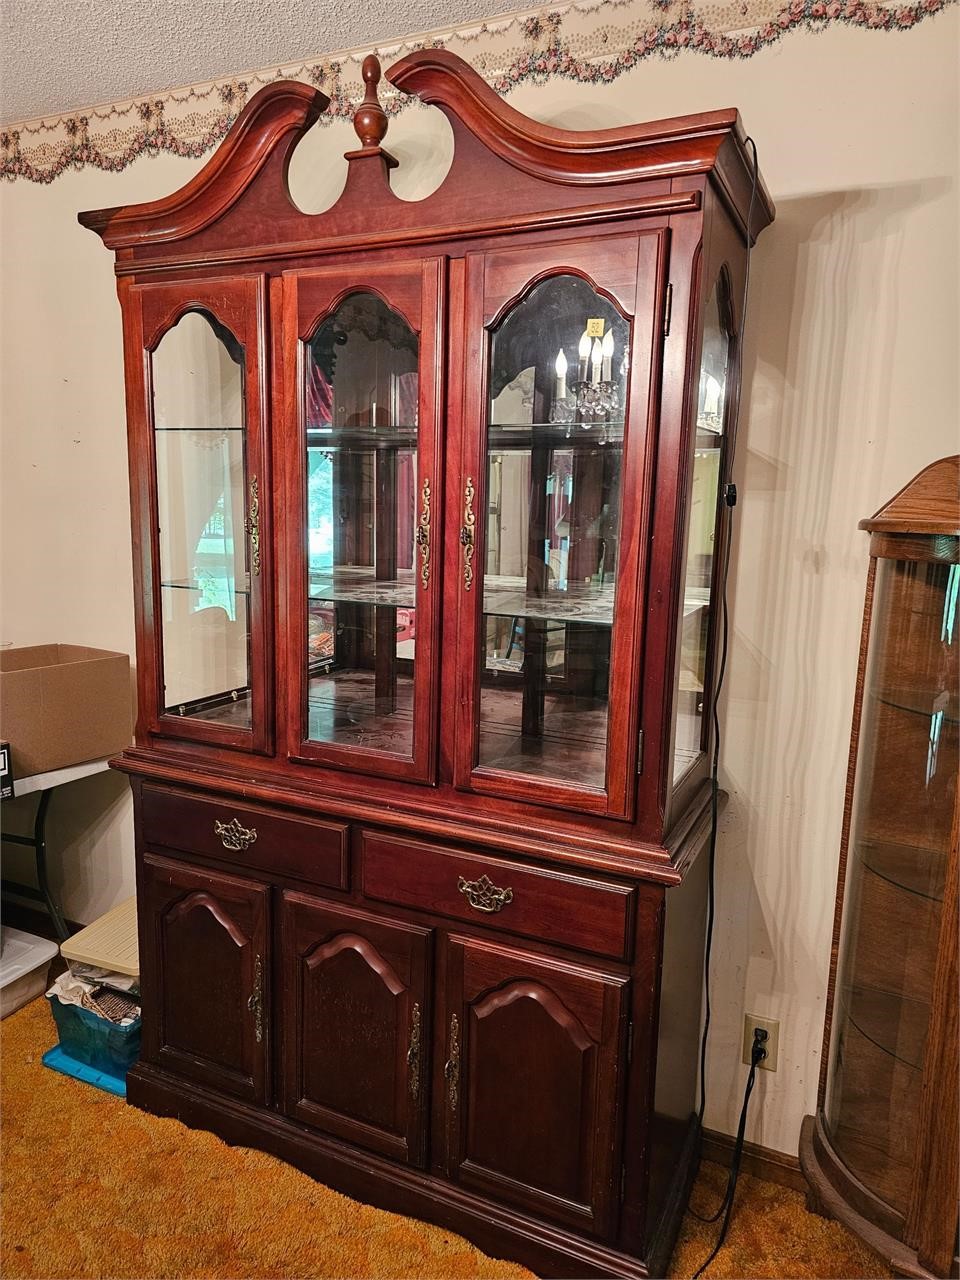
{"points": [[758, 1052], [757, 1055]]}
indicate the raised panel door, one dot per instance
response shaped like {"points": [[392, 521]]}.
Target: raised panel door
{"points": [[356, 1025], [528, 1107], [206, 981]]}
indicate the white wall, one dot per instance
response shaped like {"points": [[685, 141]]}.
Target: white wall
{"points": [[849, 389]]}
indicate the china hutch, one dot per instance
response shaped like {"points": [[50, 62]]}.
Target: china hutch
{"points": [[882, 1153], [427, 517]]}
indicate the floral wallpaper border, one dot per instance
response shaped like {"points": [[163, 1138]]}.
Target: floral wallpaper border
{"points": [[589, 41]]}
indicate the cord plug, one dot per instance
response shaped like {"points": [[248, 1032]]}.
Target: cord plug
{"points": [[758, 1051]]}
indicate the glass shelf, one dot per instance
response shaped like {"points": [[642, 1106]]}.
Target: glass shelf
{"points": [[505, 597], [892, 1023], [921, 702], [527, 435], [219, 431], [919, 871], [358, 585], [362, 436], [199, 588]]}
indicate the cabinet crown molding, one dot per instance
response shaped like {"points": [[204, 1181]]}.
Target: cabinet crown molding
{"points": [[250, 166], [268, 127]]}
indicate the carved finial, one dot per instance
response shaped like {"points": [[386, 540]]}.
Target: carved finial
{"points": [[370, 119]]}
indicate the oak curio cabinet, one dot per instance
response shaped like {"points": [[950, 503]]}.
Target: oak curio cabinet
{"points": [[427, 521], [882, 1153]]}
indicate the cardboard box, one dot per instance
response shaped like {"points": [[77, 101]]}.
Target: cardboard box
{"points": [[62, 704]]}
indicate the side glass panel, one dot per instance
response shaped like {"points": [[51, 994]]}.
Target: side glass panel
{"points": [[361, 404], [554, 447], [697, 605], [897, 859], [200, 438]]}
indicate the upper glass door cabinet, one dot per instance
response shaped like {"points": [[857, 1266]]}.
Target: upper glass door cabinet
{"points": [[365, 591], [197, 413], [551, 521]]}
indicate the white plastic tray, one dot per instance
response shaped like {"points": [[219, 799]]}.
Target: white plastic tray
{"points": [[24, 964]]}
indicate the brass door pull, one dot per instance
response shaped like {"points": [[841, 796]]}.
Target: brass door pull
{"points": [[413, 1054], [423, 534], [255, 1003], [483, 894], [233, 835], [467, 533], [252, 524], [451, 1069]]}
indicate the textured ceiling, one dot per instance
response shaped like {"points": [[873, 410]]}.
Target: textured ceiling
{"points": [[59, 55]]}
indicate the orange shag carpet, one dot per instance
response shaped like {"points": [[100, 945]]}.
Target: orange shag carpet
{"points": [[94, 1188]]}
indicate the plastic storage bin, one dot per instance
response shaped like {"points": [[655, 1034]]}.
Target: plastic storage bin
{"points": [[24, 965], [94, 1041]]}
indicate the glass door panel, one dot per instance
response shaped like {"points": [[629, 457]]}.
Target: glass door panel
{"points": [[362, 393], [199, 422], [366, 398], [560, 352], [198, 417], [555, 432], [696, 613]]}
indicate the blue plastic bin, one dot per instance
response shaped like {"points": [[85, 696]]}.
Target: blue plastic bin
{"points": [[94, 1041]]}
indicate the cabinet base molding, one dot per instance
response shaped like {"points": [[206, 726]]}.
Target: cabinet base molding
{"points": [[497, 1230], [833, 1192]]}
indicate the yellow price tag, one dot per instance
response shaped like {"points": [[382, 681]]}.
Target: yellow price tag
{"points": [[595, 328]]}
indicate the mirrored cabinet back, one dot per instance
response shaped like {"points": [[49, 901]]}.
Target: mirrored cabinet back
{"points": [[428, 528]]}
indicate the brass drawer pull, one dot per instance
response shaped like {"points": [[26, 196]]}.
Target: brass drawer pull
{"points": [[451, 1069], [255, 1003], [467, 533], [483, 894], [413, 1053], [233, 835], [423, 535]]}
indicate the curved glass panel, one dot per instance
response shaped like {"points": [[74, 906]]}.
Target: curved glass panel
{"points": [[697, 605], [896, 868], [557, 387], [361, 403], [200, 437]]}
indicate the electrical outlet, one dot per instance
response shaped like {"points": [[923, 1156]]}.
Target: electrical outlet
{"points": [[771, 1044]]}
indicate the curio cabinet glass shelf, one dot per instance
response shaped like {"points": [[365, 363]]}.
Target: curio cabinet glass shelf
{"points": [[427, 528]]}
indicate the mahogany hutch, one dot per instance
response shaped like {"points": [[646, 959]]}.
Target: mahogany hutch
{"points": [[882, 1153], [427, 515]]}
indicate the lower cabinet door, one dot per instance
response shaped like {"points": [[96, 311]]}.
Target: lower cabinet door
{"points": [[529, 1101], [356, 1028], [206, 976]]}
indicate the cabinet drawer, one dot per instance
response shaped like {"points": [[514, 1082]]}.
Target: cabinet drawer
{"points": [[306, 848], [552, 906]]}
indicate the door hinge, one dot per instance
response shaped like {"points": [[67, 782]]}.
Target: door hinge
{"points": [[640, 752], [630, 1043], [667, 310]]}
